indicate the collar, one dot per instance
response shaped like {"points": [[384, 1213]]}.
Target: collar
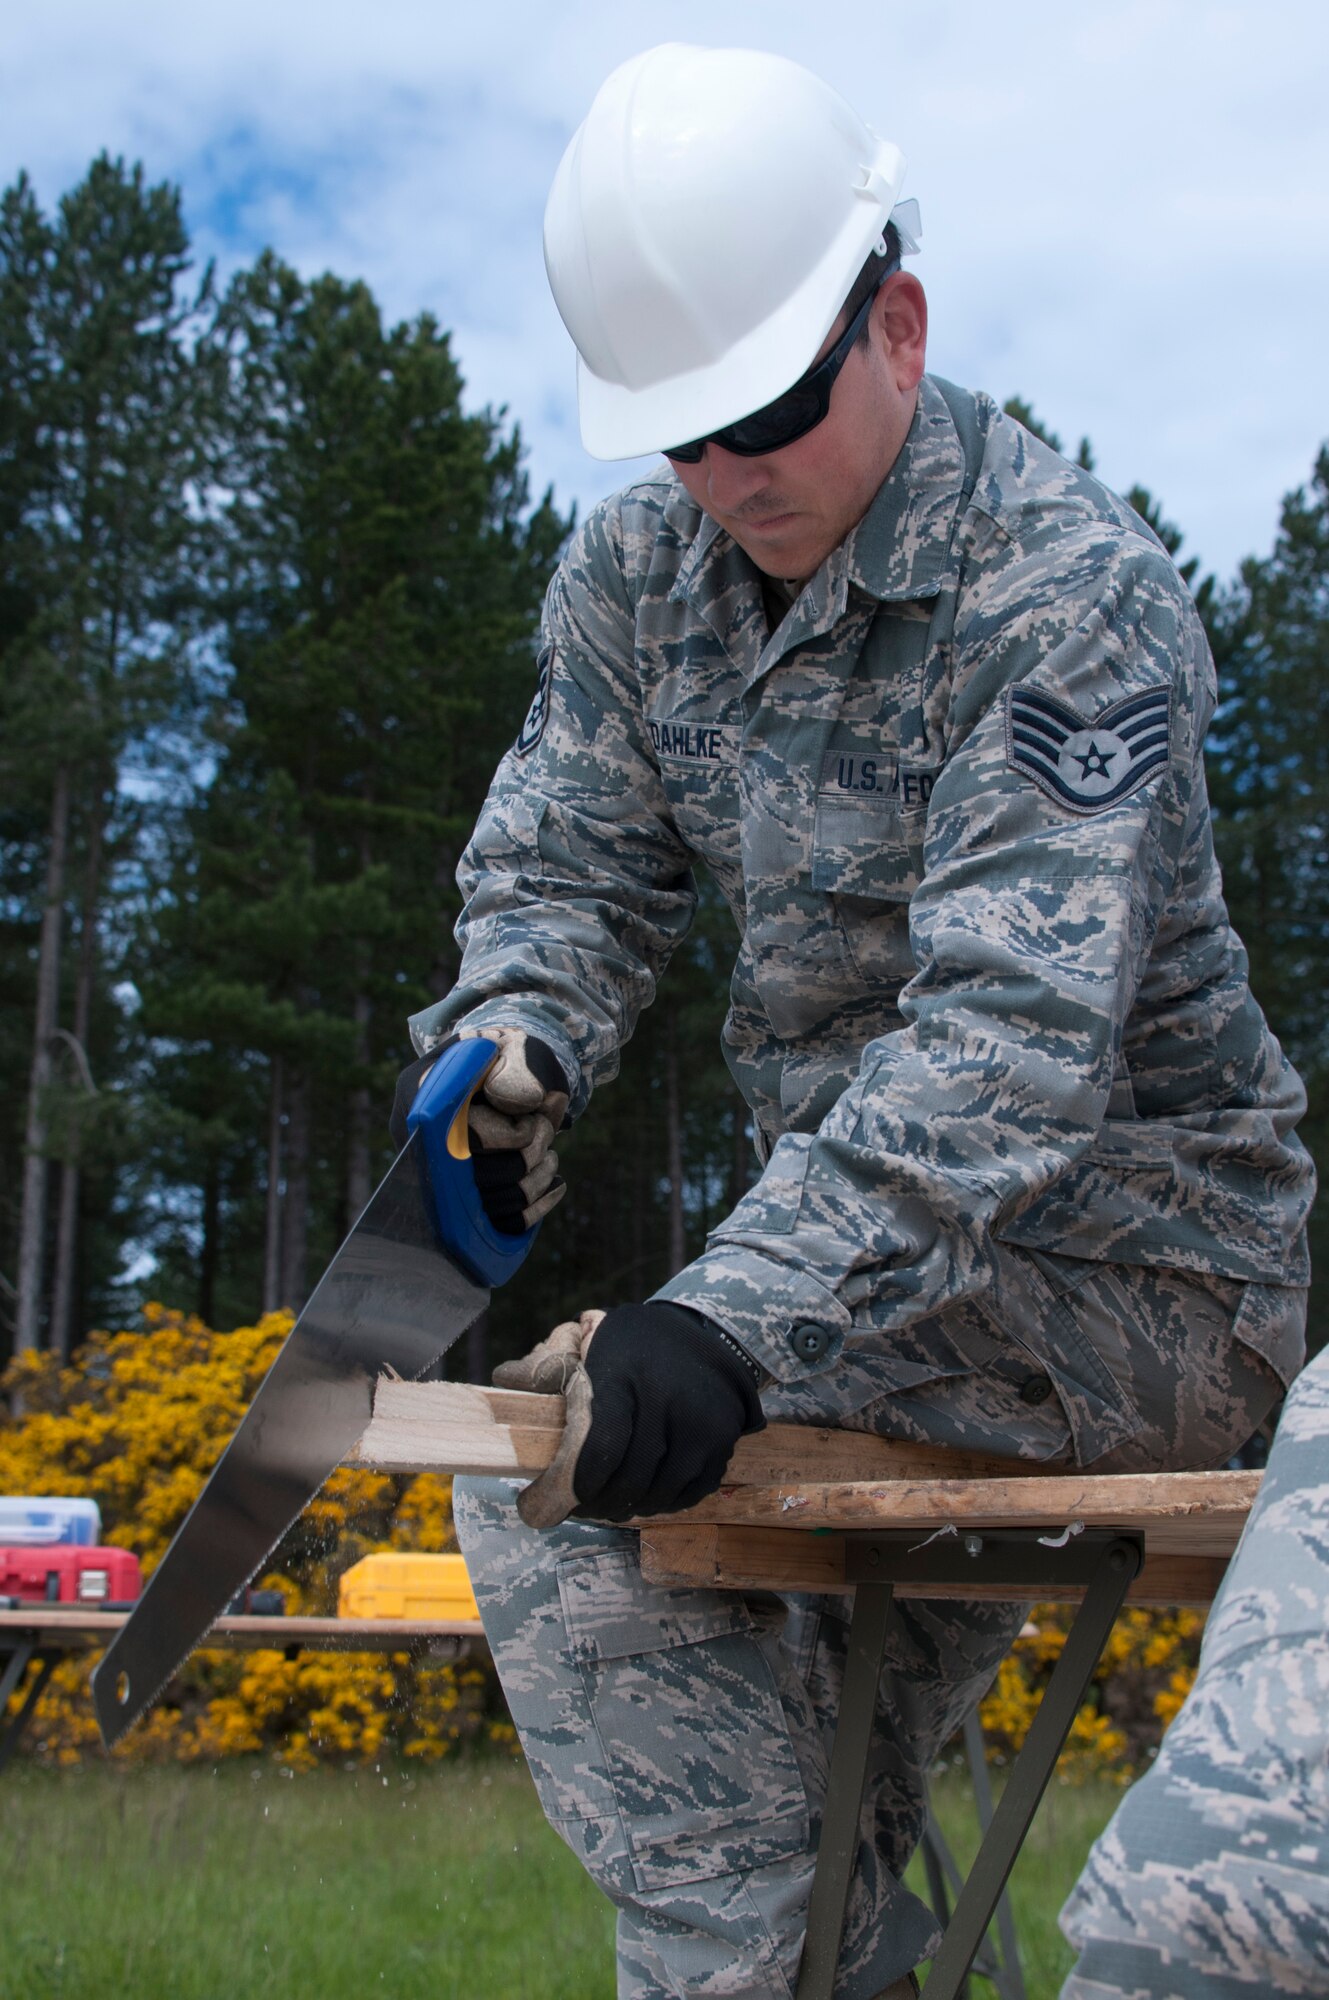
{"points": [[899, 548], [897, 551]]}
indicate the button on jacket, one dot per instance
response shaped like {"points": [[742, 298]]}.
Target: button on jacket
{"points": [[986, 987]]}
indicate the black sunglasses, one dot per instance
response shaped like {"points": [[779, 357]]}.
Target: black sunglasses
{"points": [[795, 413]]}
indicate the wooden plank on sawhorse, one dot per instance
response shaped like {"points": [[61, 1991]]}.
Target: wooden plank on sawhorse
{"points": [[803, 1508]]}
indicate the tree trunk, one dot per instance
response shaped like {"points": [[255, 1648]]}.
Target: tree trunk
{"points": [[359, 1113], [66, 1242], [272, 1234], [32, 1225], [295, 1207], [677, 1241], [210, 1255]]}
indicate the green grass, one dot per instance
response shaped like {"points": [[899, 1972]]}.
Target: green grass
{"points": [[181, 1885], [416, 1885], [1065, 1827]]}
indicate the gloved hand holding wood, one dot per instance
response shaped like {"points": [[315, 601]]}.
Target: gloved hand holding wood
{"points": [[513, 1118], [656, 1399]]}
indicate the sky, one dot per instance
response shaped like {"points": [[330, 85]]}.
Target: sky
{"points": [[1125, 204]]}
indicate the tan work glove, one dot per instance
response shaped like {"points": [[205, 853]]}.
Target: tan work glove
{"points": [[555, 1368], [512, 1122]]}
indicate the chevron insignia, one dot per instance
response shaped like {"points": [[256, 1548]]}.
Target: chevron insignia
{"points": [[1082, 765], [537, 715]]}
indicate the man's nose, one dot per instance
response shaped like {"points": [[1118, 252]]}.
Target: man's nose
{"points": [[731, 481]]}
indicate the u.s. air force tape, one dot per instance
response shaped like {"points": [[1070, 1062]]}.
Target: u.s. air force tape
{"points": [[1088, 764], [537, 715]]}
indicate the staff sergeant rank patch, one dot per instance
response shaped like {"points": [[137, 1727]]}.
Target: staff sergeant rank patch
{"points": [[1088, 766], [537, 715]]}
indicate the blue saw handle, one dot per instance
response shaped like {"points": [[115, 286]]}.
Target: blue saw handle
{"points": [[486, 1254]]}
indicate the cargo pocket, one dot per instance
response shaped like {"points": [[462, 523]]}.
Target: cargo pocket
{"points": [[691, 1727]]}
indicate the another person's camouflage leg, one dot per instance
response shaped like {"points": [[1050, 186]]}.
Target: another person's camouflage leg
{"points": [[1212, 1880]]}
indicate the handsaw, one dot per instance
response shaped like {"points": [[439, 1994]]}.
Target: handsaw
{"points": [[410, 1278]]}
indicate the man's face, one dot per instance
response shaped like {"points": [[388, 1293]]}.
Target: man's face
{"points": [[788, 509]]}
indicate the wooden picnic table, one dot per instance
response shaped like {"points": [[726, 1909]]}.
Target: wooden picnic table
{"points": [[45, 1634]]}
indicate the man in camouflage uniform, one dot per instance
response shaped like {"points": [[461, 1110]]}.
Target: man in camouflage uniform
{"points": [[929, 703], [1212, 1881]]}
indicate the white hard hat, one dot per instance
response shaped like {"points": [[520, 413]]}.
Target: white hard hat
{"points": [[702, 232]]}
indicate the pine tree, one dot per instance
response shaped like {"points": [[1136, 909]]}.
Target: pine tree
{"points": [[101, 431], [1269, 780], [380, 574]]}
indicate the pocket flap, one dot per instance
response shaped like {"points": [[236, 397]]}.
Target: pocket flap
{"points": [[867, 850], [611, 1614]]}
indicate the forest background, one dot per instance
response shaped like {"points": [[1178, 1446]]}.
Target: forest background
{"points": [[268, 606]]}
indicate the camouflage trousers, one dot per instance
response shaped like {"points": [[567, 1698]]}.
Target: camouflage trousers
{"points": [[679, 1739], [1212, 1880]]}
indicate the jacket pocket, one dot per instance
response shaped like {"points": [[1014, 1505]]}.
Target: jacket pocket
{"points": [[686, 1705], [1271, 1321], [1033, 1306], [870, 861]]}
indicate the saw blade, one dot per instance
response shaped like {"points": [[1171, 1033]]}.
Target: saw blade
{"points": [[390, 1299]]}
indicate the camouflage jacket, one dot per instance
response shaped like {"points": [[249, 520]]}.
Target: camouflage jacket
{"points": [[986, 984]]}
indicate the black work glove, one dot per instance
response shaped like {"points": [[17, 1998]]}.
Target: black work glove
{"points": [[513, 1118], [670, 1397]]}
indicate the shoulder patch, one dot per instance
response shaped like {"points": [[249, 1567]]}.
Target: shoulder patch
{"points": [[537, 715], [1082, 764]]}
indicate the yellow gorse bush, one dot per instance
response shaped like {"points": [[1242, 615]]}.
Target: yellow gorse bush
{"points": [[1142, 1677], [136, 1423]]}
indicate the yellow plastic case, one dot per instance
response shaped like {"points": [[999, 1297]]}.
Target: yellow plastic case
{"points": [[391, 1585]]}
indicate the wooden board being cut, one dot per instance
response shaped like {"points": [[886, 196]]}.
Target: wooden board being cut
{"points": [[795, 1476], [459, 1427]]}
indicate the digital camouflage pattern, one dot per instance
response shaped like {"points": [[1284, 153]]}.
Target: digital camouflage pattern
{"points": [[668, 1730], [970, 1004], [1212, 1880], [1030, 1176]]}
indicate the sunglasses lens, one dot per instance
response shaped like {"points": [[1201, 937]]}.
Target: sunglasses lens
{"points": [[789, 417]]}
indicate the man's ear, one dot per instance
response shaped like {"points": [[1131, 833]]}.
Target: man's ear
{"points": [[900, 322]]}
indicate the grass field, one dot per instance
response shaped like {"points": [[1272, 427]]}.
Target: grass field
{"points": [[417, 1885]]}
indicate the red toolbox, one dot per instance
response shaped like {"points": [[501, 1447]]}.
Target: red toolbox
{"points": [[60, 1574]]}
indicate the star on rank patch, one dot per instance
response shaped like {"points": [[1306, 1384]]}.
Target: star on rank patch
{"points": [[537, 715], [1088, 765]]}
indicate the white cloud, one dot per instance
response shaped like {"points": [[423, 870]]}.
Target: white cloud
{"points": [[1125, 204]]}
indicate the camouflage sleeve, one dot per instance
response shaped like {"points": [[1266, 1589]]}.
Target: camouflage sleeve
{"points": [[577, 886], [1212, 1878], [1030, 930]]}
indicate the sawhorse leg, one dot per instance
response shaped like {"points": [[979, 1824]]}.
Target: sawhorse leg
{"points": [[1101, 1562], [20, 1657], [945, 1880]]}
